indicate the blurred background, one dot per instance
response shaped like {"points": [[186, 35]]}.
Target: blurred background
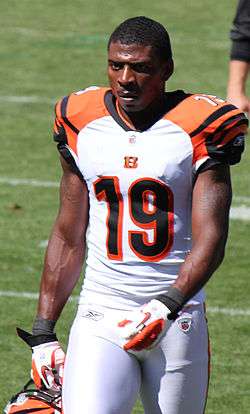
{"points": [[49, 49]]}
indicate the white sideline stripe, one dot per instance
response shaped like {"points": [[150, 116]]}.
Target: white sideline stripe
{"points": [[210, 309], [39, 183], [25, 295], [28, 99], [228, 311], [240, 213], [29, 182]]}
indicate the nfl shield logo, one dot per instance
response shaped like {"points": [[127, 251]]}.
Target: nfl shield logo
{"points": [[184, 323], [132, 139]]}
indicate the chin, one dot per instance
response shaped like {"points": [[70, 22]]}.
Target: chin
{"points": [[131, 107]]}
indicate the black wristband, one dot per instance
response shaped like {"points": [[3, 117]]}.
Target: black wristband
{"points": [[43, 326], [34, 340], [173, 299]]}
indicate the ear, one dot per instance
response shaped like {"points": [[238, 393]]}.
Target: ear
{"points": [[168, 69]]}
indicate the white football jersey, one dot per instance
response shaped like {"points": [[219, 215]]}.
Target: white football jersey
{"points": [[140, 187]]}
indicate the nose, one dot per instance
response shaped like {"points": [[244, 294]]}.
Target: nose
{"points": [[126, 75]]}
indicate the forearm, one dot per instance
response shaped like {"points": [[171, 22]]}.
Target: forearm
{"points": [[61, 272], [66, 249], [199, 266]]}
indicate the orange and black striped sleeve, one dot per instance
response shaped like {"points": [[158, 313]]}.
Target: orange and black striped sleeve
{"points": [[216, 128], [221, 135], [65, 135], [64, 130], [73, 113]]}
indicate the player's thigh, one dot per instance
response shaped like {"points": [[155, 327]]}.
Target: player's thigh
{"points": [[175, 375], [100, 377]]}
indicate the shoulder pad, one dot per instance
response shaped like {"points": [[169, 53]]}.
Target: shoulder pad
{"points": [[82, 107], [75, 111], [216, 127]]}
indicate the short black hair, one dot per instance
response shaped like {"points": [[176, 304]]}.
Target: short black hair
{"points": [[144, 31]]}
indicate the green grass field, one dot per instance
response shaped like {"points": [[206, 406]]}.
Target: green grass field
{"points": [[49, 49]]}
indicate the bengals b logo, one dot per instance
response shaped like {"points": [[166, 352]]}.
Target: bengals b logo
{"points": [[130, 162]]}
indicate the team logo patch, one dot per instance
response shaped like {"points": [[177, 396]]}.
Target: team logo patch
{"points": [[239, 141], [130, 162], [90, 314], [184, 323]]}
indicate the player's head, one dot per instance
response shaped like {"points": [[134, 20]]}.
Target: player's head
{"points": [[144, 31], [139, 63]]}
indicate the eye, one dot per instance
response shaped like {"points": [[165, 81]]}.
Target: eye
{"points": [[142, 68], [115, 65]]}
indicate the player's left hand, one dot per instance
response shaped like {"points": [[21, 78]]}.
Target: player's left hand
{"points": [[145, 326]]}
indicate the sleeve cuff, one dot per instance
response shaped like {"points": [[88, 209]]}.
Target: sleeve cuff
{"points": [[240, 50]]}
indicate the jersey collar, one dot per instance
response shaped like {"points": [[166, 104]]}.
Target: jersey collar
{"points": [[172, 100]]}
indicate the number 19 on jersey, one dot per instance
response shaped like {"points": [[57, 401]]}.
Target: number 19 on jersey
{"points": [[150, 206]]}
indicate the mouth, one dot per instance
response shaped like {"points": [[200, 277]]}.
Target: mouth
{"points": [[127, 96]]}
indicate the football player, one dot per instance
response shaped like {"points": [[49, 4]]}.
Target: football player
{"points": [[148, 173]]}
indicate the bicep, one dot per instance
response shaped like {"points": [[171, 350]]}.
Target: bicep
{"points": [[72, 219], [212, 196]]}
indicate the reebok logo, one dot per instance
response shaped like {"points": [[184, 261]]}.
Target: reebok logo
{"points": [[90, 314]]}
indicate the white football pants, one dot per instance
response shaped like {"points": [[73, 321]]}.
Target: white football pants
{"points": [[101, 378]]}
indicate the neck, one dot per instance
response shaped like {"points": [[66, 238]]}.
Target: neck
{"points": [[141, 120]]}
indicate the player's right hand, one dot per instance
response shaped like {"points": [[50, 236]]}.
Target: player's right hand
{"points": [[47, 365], [47, 360]]}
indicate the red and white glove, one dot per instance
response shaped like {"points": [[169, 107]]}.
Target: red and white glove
{"points": [[47, 359], [47, 365], [144, 327]]}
